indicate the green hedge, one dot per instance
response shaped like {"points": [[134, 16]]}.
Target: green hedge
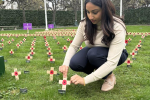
{"points": [[137, 16], [36, 17], [64, 18]]}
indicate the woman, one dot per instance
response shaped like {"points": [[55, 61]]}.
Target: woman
{"points": [[104, 36]]}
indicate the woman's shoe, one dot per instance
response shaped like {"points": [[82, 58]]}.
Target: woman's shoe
{"points": [[109, 83]]}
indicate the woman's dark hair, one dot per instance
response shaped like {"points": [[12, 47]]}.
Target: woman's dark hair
{"points": [[107, 22]]}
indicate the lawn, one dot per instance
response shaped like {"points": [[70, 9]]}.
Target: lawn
{"points": [[132, 82]]}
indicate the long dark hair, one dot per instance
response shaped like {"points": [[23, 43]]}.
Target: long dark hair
{"points": [[107, 21]]}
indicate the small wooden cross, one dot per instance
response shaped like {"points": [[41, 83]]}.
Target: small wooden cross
{"points": [[11, 52], [58, 42], [136, 50], [12, 40], [32, 53], [48, 48], [2, 40], [65, 48], [28, 57], [139, 46], [46, 44], [32, 48], [133, 54], [21, 42], [129, 39], [64, 82], [51, 72], [81, 47], [51, 59], [2, 45], [49, 53], [68, 40], [32, 44], [9, 42], [18, 45], [143, 36], [128, 61], [16, 74]]}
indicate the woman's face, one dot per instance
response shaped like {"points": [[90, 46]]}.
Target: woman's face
{"points": [[93, 12]]}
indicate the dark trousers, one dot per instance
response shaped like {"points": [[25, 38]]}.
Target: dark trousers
{"points": [[89, 59]]}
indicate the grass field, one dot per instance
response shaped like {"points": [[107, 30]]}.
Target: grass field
{"points": [[132, 82]]}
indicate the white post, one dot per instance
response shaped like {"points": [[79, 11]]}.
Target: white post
{"points": [[45, 15], [81, 9], [120, 8]]}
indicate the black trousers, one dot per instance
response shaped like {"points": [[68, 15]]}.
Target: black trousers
{"points": [[89, 59]]}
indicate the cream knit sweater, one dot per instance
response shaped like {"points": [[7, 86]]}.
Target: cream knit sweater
{"points": [[115, 49]]}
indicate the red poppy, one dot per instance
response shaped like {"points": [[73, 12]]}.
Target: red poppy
{"points": [[51, 72], [51, 59], [11, 52], [64, 82], [71, 41], [126, 41], [133, 53], [16, 73], [28, 57], [128, 61]]}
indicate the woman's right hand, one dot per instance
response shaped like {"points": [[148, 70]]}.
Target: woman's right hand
{"points": [[64, 69]]}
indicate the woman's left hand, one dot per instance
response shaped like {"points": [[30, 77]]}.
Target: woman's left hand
{"points": [[76, 79]]}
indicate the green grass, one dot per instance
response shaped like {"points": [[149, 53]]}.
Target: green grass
{"points": [[132, 82]]}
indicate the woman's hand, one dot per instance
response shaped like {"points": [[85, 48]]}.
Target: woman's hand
{"points": [[64, 69], [76, 79]]}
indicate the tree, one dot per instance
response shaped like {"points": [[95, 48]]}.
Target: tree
{"points": [[74, 5]]}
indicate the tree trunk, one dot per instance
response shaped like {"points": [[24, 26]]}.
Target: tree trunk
{"points": [[24, 16], [54, 14]]}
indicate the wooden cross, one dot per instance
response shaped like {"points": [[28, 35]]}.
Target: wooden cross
{"points": [[2, 45], [18, 45], [136, 50], [139, 46], [16, 74], [58, 42], [64, 82], [68, 40], [48, 48], [12, 40], [65, 48], [133, 54], [51, 59], [32, 48], [49, 53], [129, 39], [21, 42], [2, 40], [128, 61], [46, 44], [142, 36], [11, 52], [32, 44], [28, 57], [9, 42], [51, 72], [81, 47], [32, 53]]}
